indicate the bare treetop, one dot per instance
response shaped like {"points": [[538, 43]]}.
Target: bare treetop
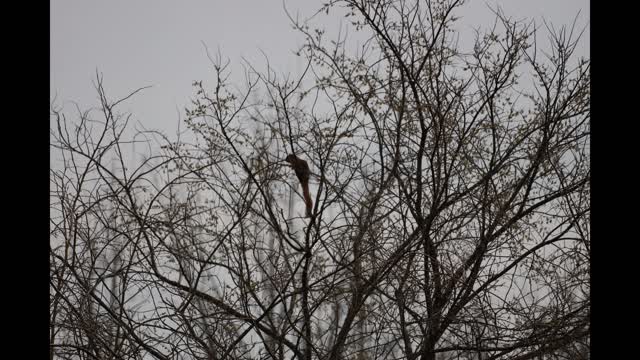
{"points": [[448, 204]]}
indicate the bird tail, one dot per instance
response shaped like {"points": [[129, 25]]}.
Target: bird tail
{"points": [[307, 197]]}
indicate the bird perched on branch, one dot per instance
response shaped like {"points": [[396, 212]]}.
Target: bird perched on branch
{"points": [[303, 173]]}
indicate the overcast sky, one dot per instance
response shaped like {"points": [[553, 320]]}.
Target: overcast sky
{"points": [[160, 43]]}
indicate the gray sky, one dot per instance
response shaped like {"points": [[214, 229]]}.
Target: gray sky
{"points": [[160, 43]]}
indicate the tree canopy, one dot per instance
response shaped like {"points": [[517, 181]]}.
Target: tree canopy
{"points": [[451, 203]]}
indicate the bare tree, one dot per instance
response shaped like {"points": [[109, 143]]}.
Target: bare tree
{"points": [[450, 213]]}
